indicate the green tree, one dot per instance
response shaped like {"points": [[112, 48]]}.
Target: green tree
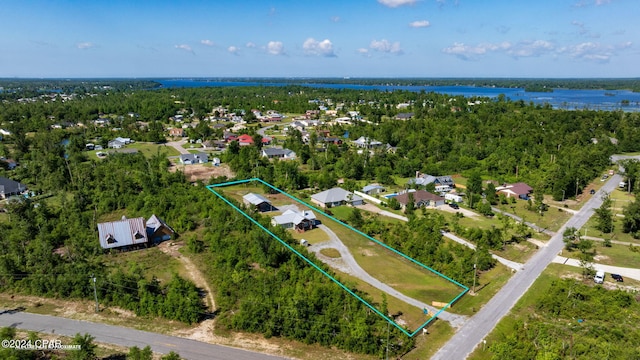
{"points": [[570, 236], [355, 218], [136, 354], [171, 356], [604, 215], [87, 347]]}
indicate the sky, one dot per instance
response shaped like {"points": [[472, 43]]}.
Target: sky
{"points": [[348, 38]]}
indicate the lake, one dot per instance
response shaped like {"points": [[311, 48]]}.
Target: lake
{"points": [[569, 99]]}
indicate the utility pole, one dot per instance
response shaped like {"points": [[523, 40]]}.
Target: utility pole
{"points": [[95, 292], [475, 272]]}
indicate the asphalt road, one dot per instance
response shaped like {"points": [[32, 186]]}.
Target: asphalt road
{"points": [[187, 349], [480, 325]]}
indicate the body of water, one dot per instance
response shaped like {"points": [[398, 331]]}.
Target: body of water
{"points": [[569, 99]]}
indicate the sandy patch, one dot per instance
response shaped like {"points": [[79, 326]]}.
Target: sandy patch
{"points": [[599, 258], [202, 172]]}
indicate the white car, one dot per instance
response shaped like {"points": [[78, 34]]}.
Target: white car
{"points": [[599, 278]]}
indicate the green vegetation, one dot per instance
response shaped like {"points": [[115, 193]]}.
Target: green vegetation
{"points": [[567, 319], [330, 252]]}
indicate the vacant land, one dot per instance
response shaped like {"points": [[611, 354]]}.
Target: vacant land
{"points": [[202, 171]]}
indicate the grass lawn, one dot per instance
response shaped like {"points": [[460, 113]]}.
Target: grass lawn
{"points": [[616, 255], [552, 219], [150, 149], [4, 217], [490, 283], [330, 252], [427, 345], [518, 252], [590, 229], [314, 236]]}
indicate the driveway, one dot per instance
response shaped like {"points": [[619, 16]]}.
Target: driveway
{"points": [[631, 273], [178, 146], [348, 264]]}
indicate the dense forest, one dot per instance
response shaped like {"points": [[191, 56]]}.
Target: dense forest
{"points": [[49, 242]]}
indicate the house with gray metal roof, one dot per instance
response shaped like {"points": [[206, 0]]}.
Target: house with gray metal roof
{"points": [[258, 201], [125, 232], [9, 187], [278, 153], [190, 159], [373, 189], [301, 221], [336, 197]]}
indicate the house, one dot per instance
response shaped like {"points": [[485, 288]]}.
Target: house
{"points": [[336, 197], [276, 153], [125, 141], [190, 159], [365, 142], [442, 183], [300, 221], [9, 187], [9, 164], [373, 189], [330, 140], [266, 140], [421, 198], [245, 140], [123, 233], [115, 144], [404, 116], [158, 230], [258, 201], [217, 145], [178, 132], [520, 190]]}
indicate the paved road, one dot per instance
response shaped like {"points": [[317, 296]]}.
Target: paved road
{"points": [[631, 273], [178, 146], [354, 269], [481, 324], [188, 349]]}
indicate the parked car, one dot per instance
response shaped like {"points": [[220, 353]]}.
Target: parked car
{"points": [[454, 205], [592, 191], [617, 277], [599, 278]]}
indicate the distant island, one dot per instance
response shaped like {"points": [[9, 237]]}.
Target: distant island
{"points": [[538, 88]]}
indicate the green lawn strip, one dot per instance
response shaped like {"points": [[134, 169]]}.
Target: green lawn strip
{"points": [[150, 149], [590, 229], [330, 252], [616, 255], [405, 276], [313, 236], [412, 317], [488, 285], [427, 345], [518, 252], [552, 219]]}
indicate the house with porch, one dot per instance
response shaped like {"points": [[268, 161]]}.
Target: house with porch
{"points": [[158, 230], [300, 221], [519, 190], [277, 153], [420, 198], [336, 197], [10, 187], [190, 159]]}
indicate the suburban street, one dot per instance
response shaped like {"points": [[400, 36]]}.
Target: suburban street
{"points": [[480, 325], [187, 349]]}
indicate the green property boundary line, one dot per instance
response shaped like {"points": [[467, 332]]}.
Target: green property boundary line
{"points": [[410, 334]]}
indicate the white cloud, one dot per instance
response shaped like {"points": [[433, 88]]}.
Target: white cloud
{"points": [[275, 48], [363, 51], [386, 46], [234, 50], [530, 48], [185, 47], [250, 45], [312, 46], [335, 19], [207, 42], [420, 24], [396, 3], [85, 45]]}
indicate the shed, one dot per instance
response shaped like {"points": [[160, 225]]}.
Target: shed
{"points": [[258, 201]]}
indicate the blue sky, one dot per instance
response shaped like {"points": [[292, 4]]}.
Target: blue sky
{"points": [[359, 38]]}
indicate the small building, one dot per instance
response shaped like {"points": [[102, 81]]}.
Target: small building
{"points": [[453, 197], [190, 159], [158, 230], [258, 201], [300, 221], [304, 242], [373, 189], [365, 142], [277, 153], [519, 190], [9, 164], [123, 233], [115, 144], [215, 161], [336, 197], [421, 198], [10, 187], [177, 132]]}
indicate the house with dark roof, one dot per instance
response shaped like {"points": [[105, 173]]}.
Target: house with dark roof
{"points": [[442, 183], [258, 201], [190, 159], [520, 190], [336, 197], [158, 230], [420, 198], [277, 153], [9, 187], [123, 233]]}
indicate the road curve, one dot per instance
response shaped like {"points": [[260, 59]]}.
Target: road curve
{"points": [[360, 273], [481, 324], [122, 336]]}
